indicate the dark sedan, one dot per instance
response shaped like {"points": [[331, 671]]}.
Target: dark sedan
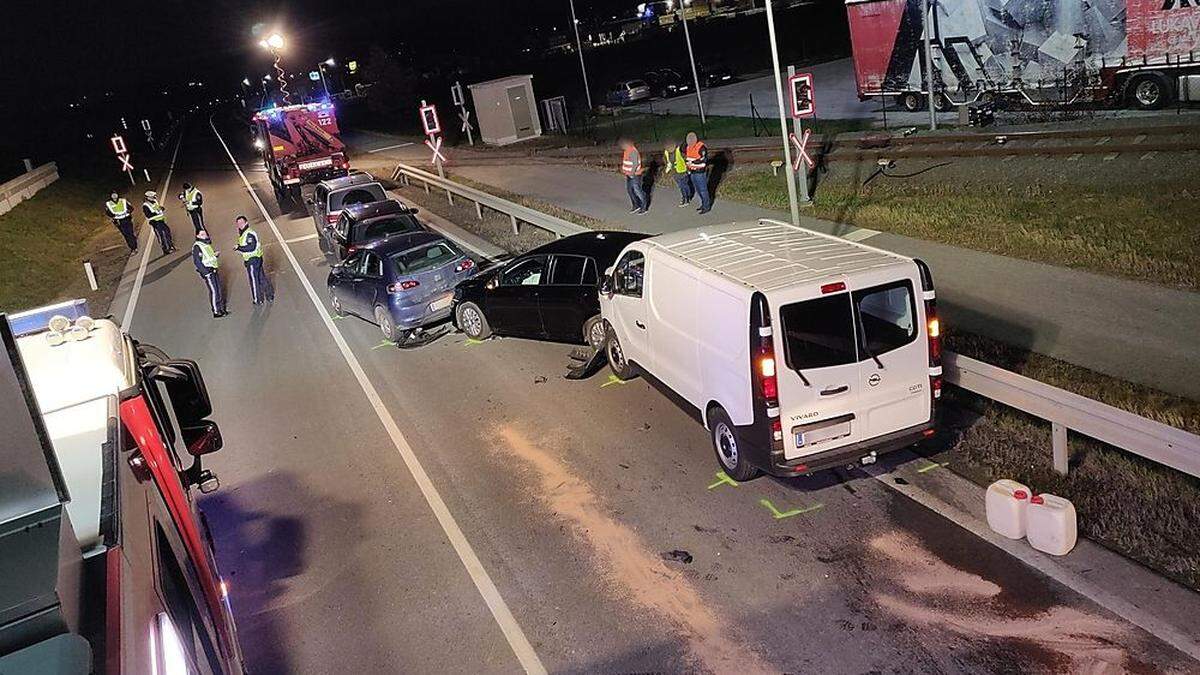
{"points": [[363, 223], [548, 293]]}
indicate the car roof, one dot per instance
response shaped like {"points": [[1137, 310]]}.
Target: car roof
{"points": [[355, 178], [402, 241], [387, 207], [595, 244], [770, 255]]}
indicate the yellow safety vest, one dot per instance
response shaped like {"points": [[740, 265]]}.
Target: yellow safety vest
{"points": [[242, 237], [119, 208], [156, 210], [189, 198], [208, 255], [678, 164]]}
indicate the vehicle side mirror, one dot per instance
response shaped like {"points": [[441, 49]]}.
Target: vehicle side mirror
{"points": [[203, 438], [185, 388]]}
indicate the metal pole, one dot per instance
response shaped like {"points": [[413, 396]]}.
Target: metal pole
{"points": [[692, 57], [579, 45], [787, 150], [324, 84], [926, 8], [798, 130]]}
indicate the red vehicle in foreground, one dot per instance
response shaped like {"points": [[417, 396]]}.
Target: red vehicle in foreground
{"points": [[299, 146], [106, 564], [1141, 53]]}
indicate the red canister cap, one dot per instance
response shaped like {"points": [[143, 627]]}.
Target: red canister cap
{"points": [[1020, 494]]}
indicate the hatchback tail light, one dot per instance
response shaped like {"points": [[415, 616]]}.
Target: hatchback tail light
{"points": [[401, 286], [331, 218], [463, 266]]}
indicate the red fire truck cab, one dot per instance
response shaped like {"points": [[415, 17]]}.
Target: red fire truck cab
{"points": [[106, 563], [299, 146]]}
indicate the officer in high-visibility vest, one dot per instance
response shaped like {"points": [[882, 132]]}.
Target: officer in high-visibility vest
{"points": [[631, 166], [193, 201], [252, 256], [696, 157], [156, 215], [117, 208], [675, 162], [204, 257]]}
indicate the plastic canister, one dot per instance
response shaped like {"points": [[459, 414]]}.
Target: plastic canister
{"points": [[1006, 504], [1051, 525]]}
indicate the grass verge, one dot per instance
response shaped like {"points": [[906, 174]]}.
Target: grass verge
{"points": [[47, 238], [647, 128]]}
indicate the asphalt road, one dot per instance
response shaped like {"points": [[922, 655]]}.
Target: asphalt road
{"points": [[569, 493]]}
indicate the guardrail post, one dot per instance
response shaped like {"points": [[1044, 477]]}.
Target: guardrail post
{"points": [[450, 197], [478, 211], [426, 186], [516, 228], [1062, 453]]}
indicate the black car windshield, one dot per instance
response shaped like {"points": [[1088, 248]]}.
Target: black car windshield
{"points": [[435, 254], [387, 225]]}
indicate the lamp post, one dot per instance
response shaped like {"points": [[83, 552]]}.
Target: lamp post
{"points": [[927, 25], [320, 69], [691, 55], [579, 46], [783, 115], [274, 43]]}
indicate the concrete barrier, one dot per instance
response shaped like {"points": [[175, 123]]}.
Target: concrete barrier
{"points": [[26, 185]]}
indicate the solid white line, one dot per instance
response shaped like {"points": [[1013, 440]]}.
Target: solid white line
{"points": [[300, 239], [390, 147], [127, 318], [491, 596], [1042, 563]]}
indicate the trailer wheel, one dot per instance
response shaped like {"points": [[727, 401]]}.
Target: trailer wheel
{"points": [[942, 103], [1149, 91], [911, 101]]}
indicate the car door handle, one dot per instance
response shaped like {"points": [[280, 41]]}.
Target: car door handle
{"points": [[639, 324], [834, 391]]}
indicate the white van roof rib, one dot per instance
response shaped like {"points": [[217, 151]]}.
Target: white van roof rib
{"points": [[768, 254]]}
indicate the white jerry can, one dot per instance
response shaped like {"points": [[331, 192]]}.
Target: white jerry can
{"points": [[1006, 504], [1050, 524]]}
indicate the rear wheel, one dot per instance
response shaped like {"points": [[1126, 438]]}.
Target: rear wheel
{"points": [[472, 321], [1149, 92], [728, 446], [911, 101], [386, 325], [594, 332], [620, 366], [942, 104]]}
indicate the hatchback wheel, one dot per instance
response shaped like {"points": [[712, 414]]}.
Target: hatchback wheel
{"points": [[472, 321], [386, 325], [728, 446]]}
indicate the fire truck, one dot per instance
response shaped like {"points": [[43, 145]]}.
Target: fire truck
{"points": [[106, 563], [299, 146], [1142, 53]]}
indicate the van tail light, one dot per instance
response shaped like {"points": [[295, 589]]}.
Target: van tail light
{"points": [[768, 376], [401, 286], [933, 326], [463, 266]]}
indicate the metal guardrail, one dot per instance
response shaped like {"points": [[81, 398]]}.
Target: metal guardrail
{"points": [[26, 185], [1064, 410], [517, 213]]}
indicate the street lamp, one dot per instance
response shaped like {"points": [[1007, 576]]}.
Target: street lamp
{"points": [[691, 55], [274, 43], [579, 46], [783, 132], [327, 62]]}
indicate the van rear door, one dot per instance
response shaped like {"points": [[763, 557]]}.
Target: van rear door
{"points": [[893, 380], [819, 383]]}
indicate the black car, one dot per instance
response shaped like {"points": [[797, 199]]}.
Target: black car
{"points": [[547, 293], [666, 83], [363, 223], [715, 75]]}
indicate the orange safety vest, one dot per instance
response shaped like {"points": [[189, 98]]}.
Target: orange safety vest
{"points": [[695, 157], [631, 162]]}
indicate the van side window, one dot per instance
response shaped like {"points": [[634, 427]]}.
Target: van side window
{"points": [[887, 315], [628, 276], [818, 333]]}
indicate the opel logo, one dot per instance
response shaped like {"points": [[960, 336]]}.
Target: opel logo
{"points": [[874, 379]]}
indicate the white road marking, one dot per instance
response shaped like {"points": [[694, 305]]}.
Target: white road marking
{"points": [[299, 239], [1150, 155], [491, 595], [1044, 564], [1111, 156], [860, 234], [389, 147], [127, 318]]}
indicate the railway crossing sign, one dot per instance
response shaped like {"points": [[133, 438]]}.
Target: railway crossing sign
{"points": [[465, 116], [456, 94], [126, 163], [122, 152], [801, 87], [118, 144], [800, 145], [434, 143], [429, 119]]}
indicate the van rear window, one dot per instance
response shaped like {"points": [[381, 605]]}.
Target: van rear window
{"points": [[818, 333]]}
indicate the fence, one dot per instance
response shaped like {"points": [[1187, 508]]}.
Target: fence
{"points": [[26, 185], [1064, 410]]}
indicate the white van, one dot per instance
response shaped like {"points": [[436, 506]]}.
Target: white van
{"points": [[706, 311]]}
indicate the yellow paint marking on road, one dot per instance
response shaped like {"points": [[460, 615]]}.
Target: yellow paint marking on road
{"points": [[613, 379], [723, 479]]}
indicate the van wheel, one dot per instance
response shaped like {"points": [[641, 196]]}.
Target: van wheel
{"points": [[594, 332], [472, 321], [620, 366], [386, 325], [728, 447]]}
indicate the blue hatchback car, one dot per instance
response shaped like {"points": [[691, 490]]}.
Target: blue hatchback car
{"points": [[402, 283]]}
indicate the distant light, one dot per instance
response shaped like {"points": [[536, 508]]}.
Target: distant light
{"points": [[246, 81], [258, 144], [330, 62], [352, 66]]}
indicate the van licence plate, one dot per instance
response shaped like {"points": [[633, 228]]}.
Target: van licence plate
{"points": [[823, 434], [441, 303]]}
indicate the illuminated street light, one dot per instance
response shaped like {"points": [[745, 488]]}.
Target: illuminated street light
{"points": [[320, 69], [579, 45], [273, 44]]}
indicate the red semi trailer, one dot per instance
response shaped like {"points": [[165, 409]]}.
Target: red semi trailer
{"points": [[1143, 53], [299, 146]]}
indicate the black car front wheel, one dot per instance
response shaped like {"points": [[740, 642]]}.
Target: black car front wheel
{"points": [[472, 321], [594, 332]]}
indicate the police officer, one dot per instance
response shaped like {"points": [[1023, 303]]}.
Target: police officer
{"points": [[696, 158], [156, 215], [204, 257], [193, 201], [117, 208], [675, 162], [631, 166], [252, 256]]}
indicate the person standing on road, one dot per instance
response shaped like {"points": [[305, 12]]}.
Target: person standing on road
{"points": [[204, 257], [252, 258], [697, 165], [675, 162], [117, 208], [193, 201], [631, 166], [156, 215]]}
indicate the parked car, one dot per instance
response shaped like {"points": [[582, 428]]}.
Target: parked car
{"points": [[666, 83], [715, 75], [362, 223], [331, 196], [402, 282], [547, 293], [629, 91], [800, 351]]}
